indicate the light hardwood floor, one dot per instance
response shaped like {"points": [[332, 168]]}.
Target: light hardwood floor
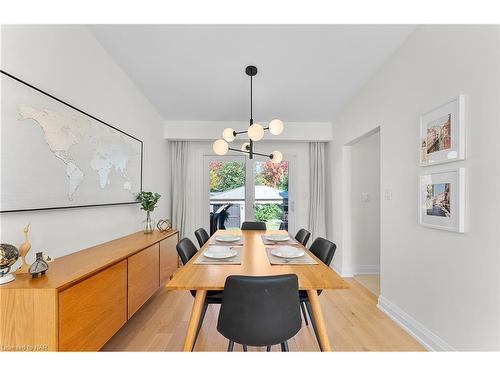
{"points": [[370, 282], [353, 320]]}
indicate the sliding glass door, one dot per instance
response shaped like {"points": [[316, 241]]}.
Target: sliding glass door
{"points": [[241, 189], [270, 200], [226, 185]]}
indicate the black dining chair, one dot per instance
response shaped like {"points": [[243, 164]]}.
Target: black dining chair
{"points": [[303, 236], [202, 236], [324, 250], [260, 311], [253, 225], [186, 250]]}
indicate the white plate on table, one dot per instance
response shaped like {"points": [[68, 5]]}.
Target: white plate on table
{"points": [[287, 252], [220, 252], [227, 238], [278, 237]]}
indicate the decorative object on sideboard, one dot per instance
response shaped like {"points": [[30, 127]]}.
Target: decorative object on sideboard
{"points": [[9, 254], [46, 257], [442, 200], [442, 133], [103, 164], [148, 201], [164, 225], [23, 251], [39, 266], [255, 131]]}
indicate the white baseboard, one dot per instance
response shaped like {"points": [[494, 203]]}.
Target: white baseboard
{"points": [[366, 269], [341, 272], [416, 329]]}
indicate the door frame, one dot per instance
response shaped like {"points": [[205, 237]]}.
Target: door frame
{"points": [[347, 266]]}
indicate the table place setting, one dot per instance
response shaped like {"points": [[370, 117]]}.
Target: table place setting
{"points": [[220, 255], [278, 239], [288, 255], [227, 239]]}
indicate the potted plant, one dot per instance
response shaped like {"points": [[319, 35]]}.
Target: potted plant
{"points": [[148, 201]]}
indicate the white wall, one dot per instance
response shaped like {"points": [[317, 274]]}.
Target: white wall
{"points": [[198, 194], [211, 130], [443, 286], [69, 63], [365, 204]]}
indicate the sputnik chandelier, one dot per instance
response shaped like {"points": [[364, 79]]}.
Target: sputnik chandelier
{"points": [[255, 132]]}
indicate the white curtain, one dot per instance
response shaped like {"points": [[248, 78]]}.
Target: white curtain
{"points": [[317, 182], [179, 153]]}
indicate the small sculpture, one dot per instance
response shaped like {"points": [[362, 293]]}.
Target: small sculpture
{"points": [[23, 251], [39, 267], [164, 225], [9, 254]]}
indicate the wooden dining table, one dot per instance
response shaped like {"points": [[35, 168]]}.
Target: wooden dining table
{"points": [[254, 262]]}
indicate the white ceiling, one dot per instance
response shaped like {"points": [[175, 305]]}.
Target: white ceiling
{"points": [[196, 72]]}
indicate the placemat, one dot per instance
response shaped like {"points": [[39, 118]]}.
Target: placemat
{"points": [[202, 259], [292, 241], [274, 260]]}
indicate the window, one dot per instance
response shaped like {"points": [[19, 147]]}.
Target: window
{"points": [[242, 189]]}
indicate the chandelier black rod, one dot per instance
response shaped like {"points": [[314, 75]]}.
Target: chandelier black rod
{"points": [[251, 100], [248, 152], [246, 131], [240, 132]]}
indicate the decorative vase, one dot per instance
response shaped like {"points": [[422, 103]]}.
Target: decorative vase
{"points": [[39, 266], [149, 223]]}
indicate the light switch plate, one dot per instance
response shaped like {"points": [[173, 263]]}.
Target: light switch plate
{"points": [[388, 194]]}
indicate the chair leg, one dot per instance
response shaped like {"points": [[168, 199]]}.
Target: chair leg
{"points": [[311, 316], [268, 349], [245, 348], [230, 346], [302, 306], [284, 346], [202, 316]]}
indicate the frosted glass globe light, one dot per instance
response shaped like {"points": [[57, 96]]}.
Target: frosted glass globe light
{"points": [[255, 132], [245, 146], [277, 157], [228, 134], [220, 147], [276, 127]]}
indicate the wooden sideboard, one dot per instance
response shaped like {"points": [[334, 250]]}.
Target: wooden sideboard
{"points": [[87, 296]]}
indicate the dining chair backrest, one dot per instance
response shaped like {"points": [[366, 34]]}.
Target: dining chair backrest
{"points": [[260, 310], [186, 249], [202, 236], [253, 225], [303, 236], [323, 249]]}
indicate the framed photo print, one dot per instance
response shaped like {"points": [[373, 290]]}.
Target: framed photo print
{"points": [[442, 200], [442, 133]]}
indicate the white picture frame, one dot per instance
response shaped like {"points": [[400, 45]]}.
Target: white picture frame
{"points": [[442, 200], [442, 133]]}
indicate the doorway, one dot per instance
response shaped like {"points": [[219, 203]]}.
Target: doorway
{"points": [[365, 211]]}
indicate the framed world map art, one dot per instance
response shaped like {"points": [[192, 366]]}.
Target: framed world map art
{"points": [[57, 156]]}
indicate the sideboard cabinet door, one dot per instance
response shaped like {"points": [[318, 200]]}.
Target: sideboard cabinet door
{"points": [[93, 310], [143, 277], [168, 258]]}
